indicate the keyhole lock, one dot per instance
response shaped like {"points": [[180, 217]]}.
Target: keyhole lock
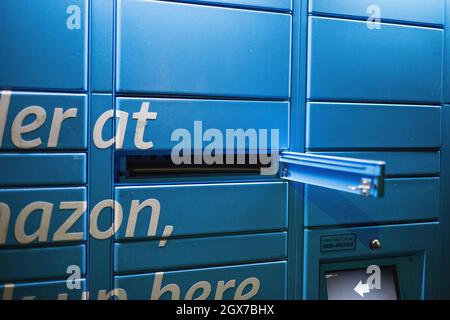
{"points": [[375, 244]]}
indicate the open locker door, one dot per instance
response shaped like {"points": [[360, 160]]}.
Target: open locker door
{"points": [[362, 177]]}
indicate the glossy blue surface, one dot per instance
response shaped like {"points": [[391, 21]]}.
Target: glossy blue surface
{"points": [[45, 290], [18, 199], [72, 134], [39, 50], [412, 11], [30, 169], [351, 126], [444, 235], [350, 62], [100, 188], [40, 263], [271, 277], [398, 163], [102, 45], [344, 209], [446, 84], [208, 208], [205, 251], [173, 114], [284, 5], [336, 88], [202, 50], [344, 174]]}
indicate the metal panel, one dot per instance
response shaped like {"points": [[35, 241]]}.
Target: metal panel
{"points": [[44, 47], [40, 263], [265, 281], [45, 290], [197, 116], [396, 241], [32, 169], [284, 5], [350, 62], [446, 84], [100, 188], [45, 203], [405, 200], [102, 45], [398, 163], [206, 208], [444, 221], [352, 126], [57, 121], [414, 11], [362, 177], [201, 50], [207, 251]]}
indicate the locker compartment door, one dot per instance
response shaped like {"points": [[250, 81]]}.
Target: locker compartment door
{"points": [[350, 62], [260, 281], [363, 177], [43, 290], [44, 46], [187, 49]]}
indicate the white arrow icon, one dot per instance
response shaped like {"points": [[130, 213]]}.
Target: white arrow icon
{"points": [[362, 288]]}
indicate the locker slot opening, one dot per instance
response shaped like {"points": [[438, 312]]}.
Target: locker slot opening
{"points": [[139, 167]]}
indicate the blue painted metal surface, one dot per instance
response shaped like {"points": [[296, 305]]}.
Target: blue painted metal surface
{"points": [[58, 60], [444, 235], [409, 11], [331, 85], [283, 5], [345, 209], [362, 126], [57, 121], [52, 221], [446, 80], [398, 163], [100, 188], [197, 116], [270, 276], [45, 262], [350, 62], [344, 174], [205, 251], [29, 169], [202, 50], [202, 209], [45, 290], [397, 240], [102, 45]]}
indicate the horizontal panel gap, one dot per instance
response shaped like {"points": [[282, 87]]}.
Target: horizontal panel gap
{"points": [[197, 97], [41, 186], [395, 22], [192, 268], [371, 224], [204, 235], [396, 150], [234, 6], [46, 91], [375, 103], [47, 245]]}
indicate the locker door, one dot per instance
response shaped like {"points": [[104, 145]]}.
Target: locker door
{"points": [[363, 177]]}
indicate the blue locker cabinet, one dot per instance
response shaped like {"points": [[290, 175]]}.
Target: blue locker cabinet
{"points": [[224, 149]]}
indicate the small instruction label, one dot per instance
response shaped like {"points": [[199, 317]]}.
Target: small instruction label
{"points": [[338, 242]]}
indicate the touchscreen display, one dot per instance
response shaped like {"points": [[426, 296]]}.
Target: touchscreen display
{"points": [[359, 284]]}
